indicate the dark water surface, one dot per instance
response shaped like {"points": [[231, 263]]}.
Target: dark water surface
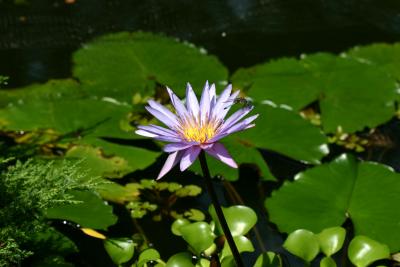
{"points": [[37, 37]]}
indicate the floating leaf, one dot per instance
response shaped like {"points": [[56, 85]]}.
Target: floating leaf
{"points": [[303, 244], [96, 164], [243, 244], [132, 158], [240, 219], [383, 56], [91, 212], [327, 262], [351, 94], [363, 251], [177, 224], [120, 250], [49, 91], [122, 64], [305, 141], [331, 240], [268, 259], [331, 193], [182, 259], [198, 235], [117, 193], [147, 255]]}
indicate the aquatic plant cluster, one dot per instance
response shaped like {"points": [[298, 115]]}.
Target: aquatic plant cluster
{"points": [[307, 179]]}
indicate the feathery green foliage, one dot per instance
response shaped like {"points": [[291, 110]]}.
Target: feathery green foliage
{"points": [[26, 190]]}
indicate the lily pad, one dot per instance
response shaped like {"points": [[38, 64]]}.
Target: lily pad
{"points": [[242, 243], [120, 250], [121, 64], [182, 259], [198, 235], [383, 56], [240, 219], [285, 132], [90, 212], [327, 195], [331, 240], [303, 244], [129, 158], [351, 94], [96, 164], [363, 251], [51, 90]]}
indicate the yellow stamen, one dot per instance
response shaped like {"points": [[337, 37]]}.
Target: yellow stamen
{"points": [[198, 133]]}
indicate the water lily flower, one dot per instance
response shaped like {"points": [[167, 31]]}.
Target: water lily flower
{"points": [[197, 126]]}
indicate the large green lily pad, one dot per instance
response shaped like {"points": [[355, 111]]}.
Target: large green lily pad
{"points": [[122, 64], [384, 56], [327, 195], [351, 93], [90, 212]]}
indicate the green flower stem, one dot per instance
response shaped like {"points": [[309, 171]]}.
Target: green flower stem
{"points": [[218, 210]]}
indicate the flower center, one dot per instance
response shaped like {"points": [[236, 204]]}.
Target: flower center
{"points": [[199, 133]]}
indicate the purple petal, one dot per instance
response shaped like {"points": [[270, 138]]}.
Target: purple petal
{"points": [[176, 147], [171, 161], [158, 137], [219, 152], [162, 117], [235, 117], [177, 103], [205, 103], [241, 125], [245, 124], [189, 157], [221, 101], [226, 106], [192, 103], [163, 110], [158, 130], [145, 133], [212, 96]]}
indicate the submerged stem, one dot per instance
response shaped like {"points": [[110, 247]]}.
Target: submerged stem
{"points": [[218, 210]]}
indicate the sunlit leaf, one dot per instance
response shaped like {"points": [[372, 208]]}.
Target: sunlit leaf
{"points": [[331, 240], [351, 93], [363, 251], [329, 194], [90, 212], [120, 250], [242, 243], [303, 244], [177, 224], [240, 219], [383, 56], [182, 259], [96, 164], [198, 235], [121, 64], [147, 255], [327, 262]]}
